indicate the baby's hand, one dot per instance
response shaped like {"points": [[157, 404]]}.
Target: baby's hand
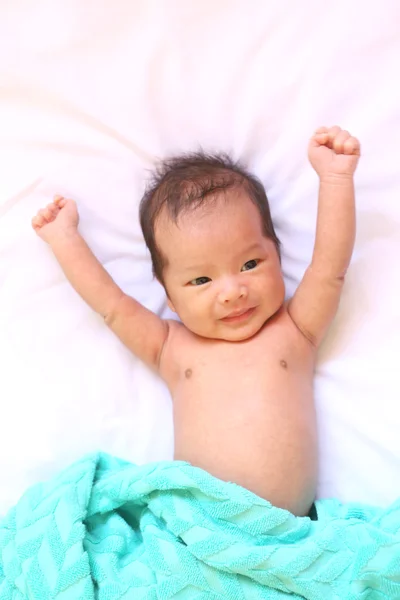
{"points": [[58, 218], [334, 152]]}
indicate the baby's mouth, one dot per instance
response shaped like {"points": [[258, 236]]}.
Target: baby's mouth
{"points": [[237, 316]]}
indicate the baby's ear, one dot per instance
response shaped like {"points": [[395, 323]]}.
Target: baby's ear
{"points": [[169, 301], [170, 305]]}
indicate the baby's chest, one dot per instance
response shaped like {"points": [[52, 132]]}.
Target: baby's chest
{"points": [[260, 366], [233, 366]]}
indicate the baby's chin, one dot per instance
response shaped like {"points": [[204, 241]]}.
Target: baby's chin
{"points": [[228, 333], [240, 335]]}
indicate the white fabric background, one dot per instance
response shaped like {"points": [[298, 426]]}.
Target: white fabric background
{"points": [[90, 93]]}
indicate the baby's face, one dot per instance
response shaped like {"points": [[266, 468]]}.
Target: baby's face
{"points": [[223, 277]]}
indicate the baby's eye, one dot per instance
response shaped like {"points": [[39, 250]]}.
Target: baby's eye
{"points": [[199, 281], [251, 264]]}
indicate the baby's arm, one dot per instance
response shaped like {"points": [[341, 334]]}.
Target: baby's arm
{"points": [[334, 155], [139, 329]]}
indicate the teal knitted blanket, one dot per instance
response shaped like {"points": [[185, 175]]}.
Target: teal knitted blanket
{"points": [[107, 529]]}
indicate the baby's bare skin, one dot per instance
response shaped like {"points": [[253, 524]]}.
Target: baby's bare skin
{"points": [[244, 411], [240, 363]]}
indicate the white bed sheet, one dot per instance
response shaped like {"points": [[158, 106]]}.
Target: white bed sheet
{"points": [[90, 93]]}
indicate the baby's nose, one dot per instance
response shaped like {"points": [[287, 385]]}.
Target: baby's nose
{"points": [[232, 291]]}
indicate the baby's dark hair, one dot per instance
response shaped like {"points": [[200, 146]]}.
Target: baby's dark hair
{"points": [[186, 182]]}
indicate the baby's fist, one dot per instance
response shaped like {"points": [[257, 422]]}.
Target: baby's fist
{"points": [[333, 151], [59, 218]]}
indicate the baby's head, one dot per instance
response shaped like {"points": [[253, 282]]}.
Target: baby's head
{"points": [[207, 224]]}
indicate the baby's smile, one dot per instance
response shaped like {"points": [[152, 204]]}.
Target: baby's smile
{"points": [[239, 316]]}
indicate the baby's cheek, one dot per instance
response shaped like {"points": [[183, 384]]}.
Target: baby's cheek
{"points": [[192, 311], [202, 313]]}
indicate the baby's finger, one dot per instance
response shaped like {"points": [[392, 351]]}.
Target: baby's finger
{"points": [[45, 214], [321, 130], [38, 221], [351, 146], [48, 215], [339, 141], [54, 210], [59, 201], [321, 138], [332, 133]]}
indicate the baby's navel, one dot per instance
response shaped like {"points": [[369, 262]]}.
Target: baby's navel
{"points": [[188, 373], [283, 364]]}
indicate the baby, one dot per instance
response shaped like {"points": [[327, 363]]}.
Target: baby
{"points": [[239, 364]]}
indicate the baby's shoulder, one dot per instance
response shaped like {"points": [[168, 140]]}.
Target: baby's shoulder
{"points": [[281, 330], [176, 329], [178, 341]]}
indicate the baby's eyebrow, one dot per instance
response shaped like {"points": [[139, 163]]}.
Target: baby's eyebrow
{"points": [[251, 248], [206, 267], [196, 268]]}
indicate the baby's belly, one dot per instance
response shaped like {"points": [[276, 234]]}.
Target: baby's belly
{"points": [[251, 432]]}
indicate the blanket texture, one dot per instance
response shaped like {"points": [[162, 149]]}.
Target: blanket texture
{"points": [[107, 529]]}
